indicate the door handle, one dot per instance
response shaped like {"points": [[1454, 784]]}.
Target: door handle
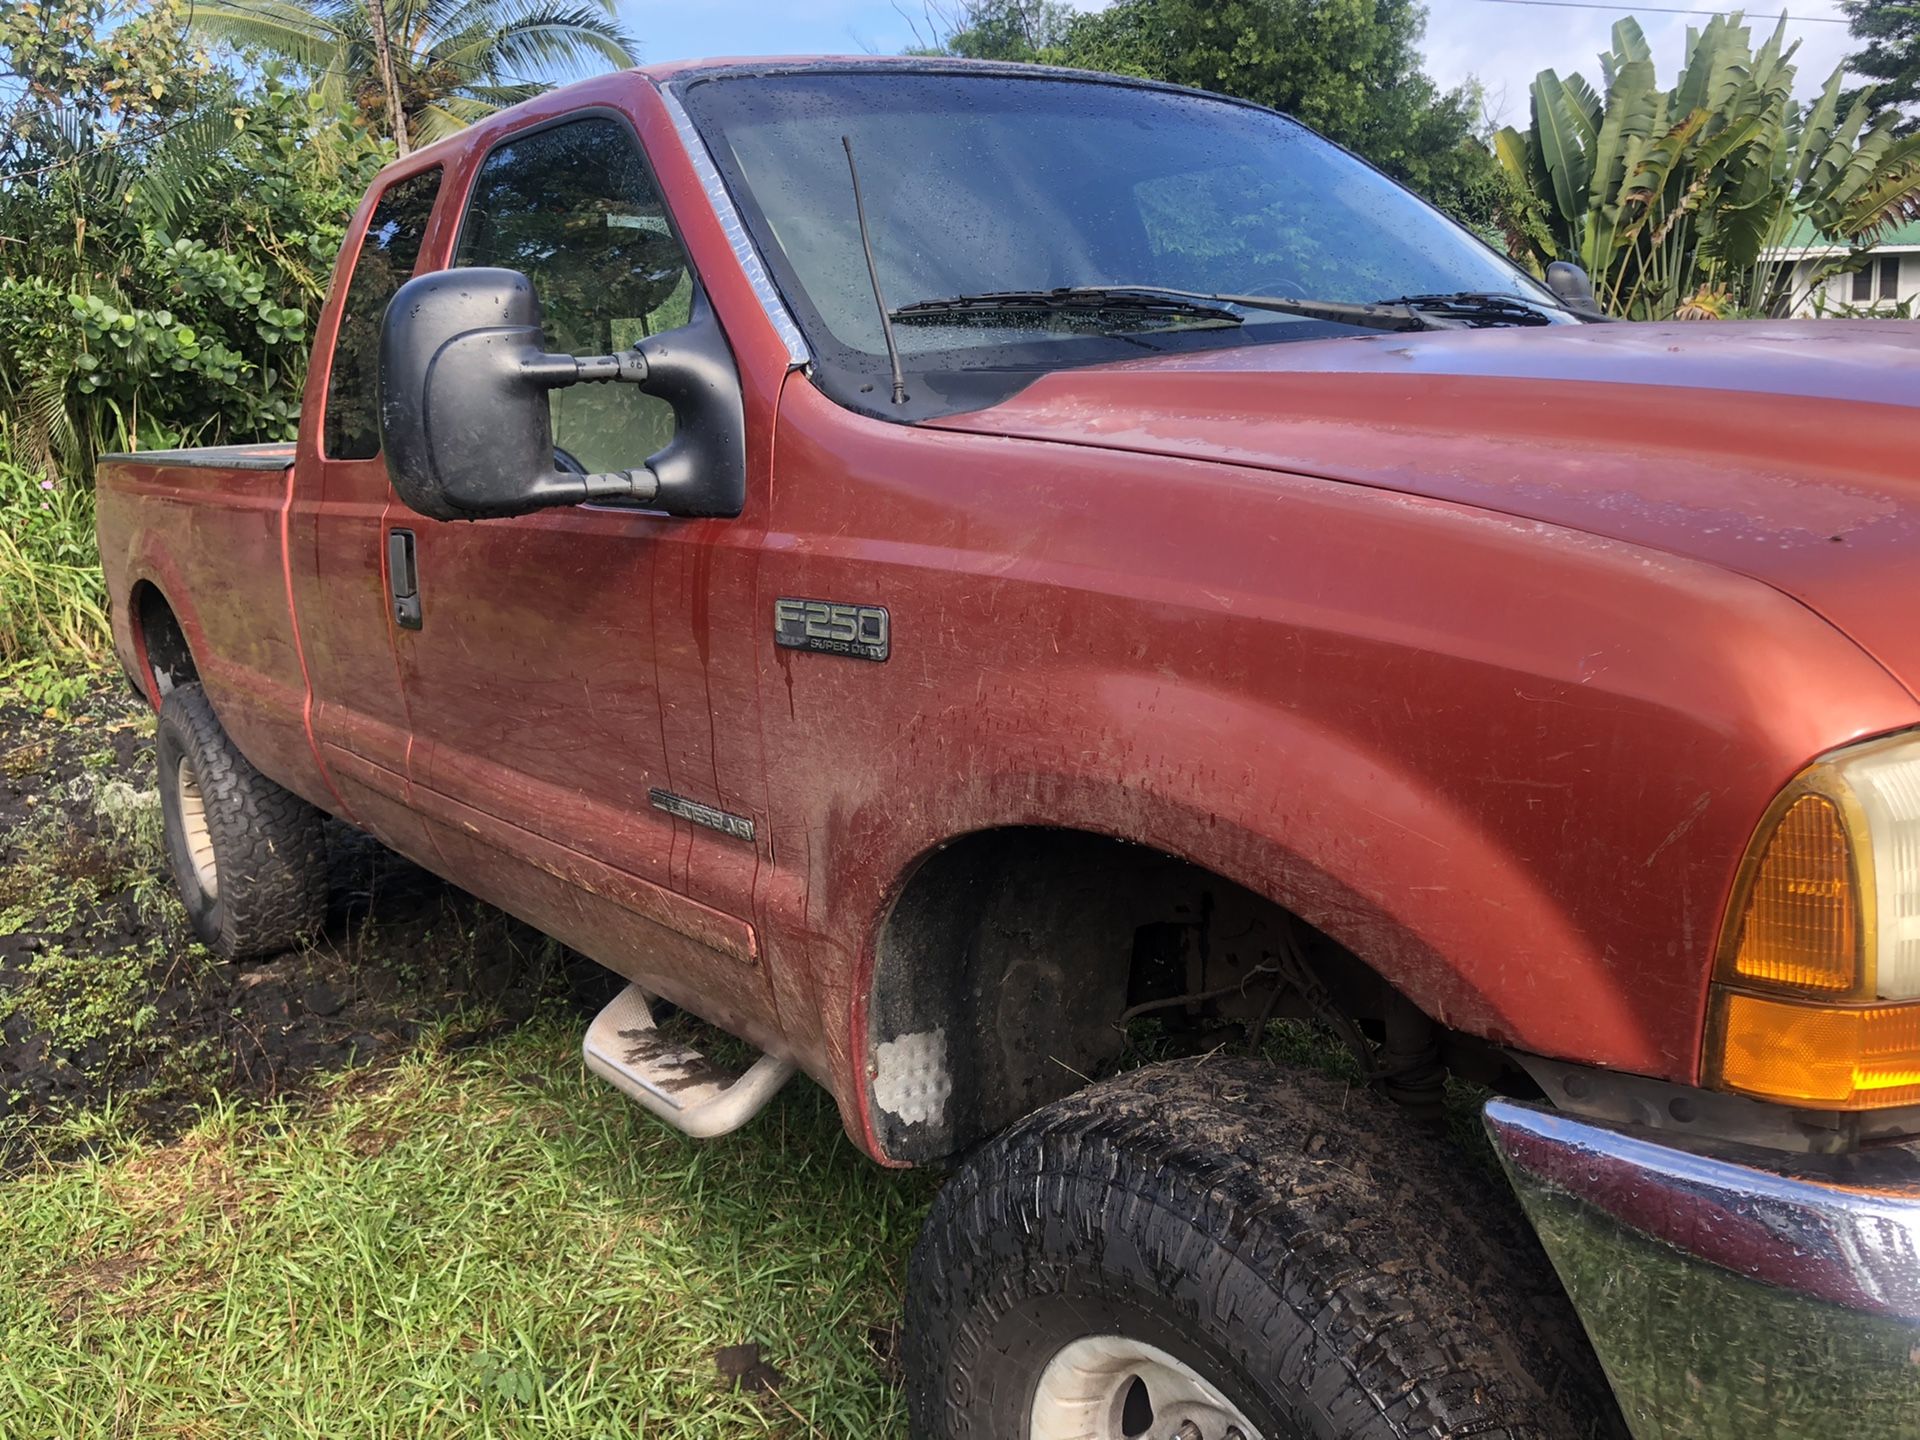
{"points": [[403, 579]]}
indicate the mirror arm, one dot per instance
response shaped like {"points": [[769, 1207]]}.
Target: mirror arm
{"points": [[702, 470], [642, 485], [556, 372], [629, 367]]}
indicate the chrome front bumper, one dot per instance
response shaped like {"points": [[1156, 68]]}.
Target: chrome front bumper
{"points": [[1731, 1292]]}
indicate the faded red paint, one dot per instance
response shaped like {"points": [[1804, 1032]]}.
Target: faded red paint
{"points": [[1483, 651]]}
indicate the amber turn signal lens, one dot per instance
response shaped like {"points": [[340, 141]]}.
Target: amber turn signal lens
{"points": [[1832, 1058], [1801, 930]]}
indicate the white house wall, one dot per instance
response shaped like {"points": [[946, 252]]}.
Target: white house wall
{"points": [[1835, 295]]}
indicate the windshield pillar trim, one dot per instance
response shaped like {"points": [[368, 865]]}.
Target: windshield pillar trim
{"points": [[799, 355]]}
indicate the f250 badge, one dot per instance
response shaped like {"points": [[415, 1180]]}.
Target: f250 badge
{"points": [[862, 631]]}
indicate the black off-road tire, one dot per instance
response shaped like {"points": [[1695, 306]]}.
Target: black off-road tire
{"points": [[1328, 1265], [269, 848]]}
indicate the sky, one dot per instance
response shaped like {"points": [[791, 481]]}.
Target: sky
{"points": [[1502, 45]]}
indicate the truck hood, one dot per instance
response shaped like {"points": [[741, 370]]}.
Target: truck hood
{"points": [[1785, 451]]}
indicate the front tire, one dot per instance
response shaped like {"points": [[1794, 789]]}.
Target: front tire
{"points": [[248, 857], [1202, 1249]]}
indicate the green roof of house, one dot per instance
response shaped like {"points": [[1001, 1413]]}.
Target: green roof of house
{"points": [[1804, 237]]}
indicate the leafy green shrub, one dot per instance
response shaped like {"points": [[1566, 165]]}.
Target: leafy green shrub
{"points": [[52, 686], [170, 228], [172, 238]]}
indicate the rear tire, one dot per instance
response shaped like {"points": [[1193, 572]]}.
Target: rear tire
{"points": [[248, 857], [1264, 1248]]}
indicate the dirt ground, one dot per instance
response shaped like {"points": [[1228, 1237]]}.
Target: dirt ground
{"points": [[108, 1000]]}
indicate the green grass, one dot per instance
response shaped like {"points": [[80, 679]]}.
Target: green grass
{"points": [[52, 597], [485, 1242], [478, 1240]]}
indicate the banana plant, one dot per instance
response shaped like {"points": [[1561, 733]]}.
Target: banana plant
{"points": [[1678, 201]]}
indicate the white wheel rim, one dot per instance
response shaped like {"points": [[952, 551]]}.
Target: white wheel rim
{"points": [[194, 828], [1091, 1390]]}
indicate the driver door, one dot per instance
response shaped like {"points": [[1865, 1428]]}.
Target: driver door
{"points": [[538, 752]]}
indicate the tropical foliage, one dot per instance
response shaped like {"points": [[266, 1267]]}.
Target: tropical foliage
{"points": [[1349, 68], [1889, 55], [167, 231], [454, 60], [163, 264], [1677, 200]]}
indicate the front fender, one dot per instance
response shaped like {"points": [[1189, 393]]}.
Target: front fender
{"points": [[1511, 766], [1507, 875]]}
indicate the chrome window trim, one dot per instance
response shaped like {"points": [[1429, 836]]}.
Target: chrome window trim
{"points": [[736, 231]]}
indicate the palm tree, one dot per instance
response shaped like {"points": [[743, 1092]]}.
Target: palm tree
{"points": [[452, 61]]}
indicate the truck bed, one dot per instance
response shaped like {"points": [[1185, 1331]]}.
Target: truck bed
{"points": [[202, 533]]}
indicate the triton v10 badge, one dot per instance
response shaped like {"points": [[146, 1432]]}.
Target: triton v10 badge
{"points": [[725, 821], [862, 631]]}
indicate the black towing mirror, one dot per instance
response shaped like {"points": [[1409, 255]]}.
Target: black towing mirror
{"points": [[1573, 285], [464, 421]]}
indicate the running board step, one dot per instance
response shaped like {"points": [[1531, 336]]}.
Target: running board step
{"points": [[676, 1082]]}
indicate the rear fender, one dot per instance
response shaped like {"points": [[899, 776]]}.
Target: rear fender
{"points": [[260, 693], [151, 569]]}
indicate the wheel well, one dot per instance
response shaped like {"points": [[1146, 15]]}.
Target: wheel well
{"points": [[163, 643], [1008, 968]]}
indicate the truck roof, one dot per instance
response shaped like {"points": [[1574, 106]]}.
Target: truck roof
{"points": [[580, 93], [671, 70]]}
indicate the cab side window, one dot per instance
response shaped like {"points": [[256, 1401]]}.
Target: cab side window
{"points": [[351, 427], [574, 208]]}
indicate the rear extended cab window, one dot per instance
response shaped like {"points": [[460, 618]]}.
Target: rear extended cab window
{"points": [[351, 428]]}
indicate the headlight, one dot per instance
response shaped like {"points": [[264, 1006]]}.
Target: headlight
{"points": [[1816, 996]]}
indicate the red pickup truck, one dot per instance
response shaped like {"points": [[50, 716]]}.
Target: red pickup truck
{"points": [[946, 570]]}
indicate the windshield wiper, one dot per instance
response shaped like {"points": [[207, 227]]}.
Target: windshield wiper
{"points": [[1480, 307], [1083, 299], [1164, 299]]}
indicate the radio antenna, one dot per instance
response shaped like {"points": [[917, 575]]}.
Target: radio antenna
{"points": [[873, 274]]}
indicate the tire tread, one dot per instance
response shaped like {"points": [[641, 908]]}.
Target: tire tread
{"points": [[1339, 1250], [269, 844]]}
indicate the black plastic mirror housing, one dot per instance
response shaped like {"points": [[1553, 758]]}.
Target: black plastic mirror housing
{"points": [[465, 424], [1573, 285]]}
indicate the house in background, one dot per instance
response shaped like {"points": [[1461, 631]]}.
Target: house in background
{"points": [[1890, 275]]}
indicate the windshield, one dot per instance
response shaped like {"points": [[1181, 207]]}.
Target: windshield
{"points": [[982, 183]]}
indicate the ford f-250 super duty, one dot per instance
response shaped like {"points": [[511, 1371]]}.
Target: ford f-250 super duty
{"points": [[935, 568]]}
